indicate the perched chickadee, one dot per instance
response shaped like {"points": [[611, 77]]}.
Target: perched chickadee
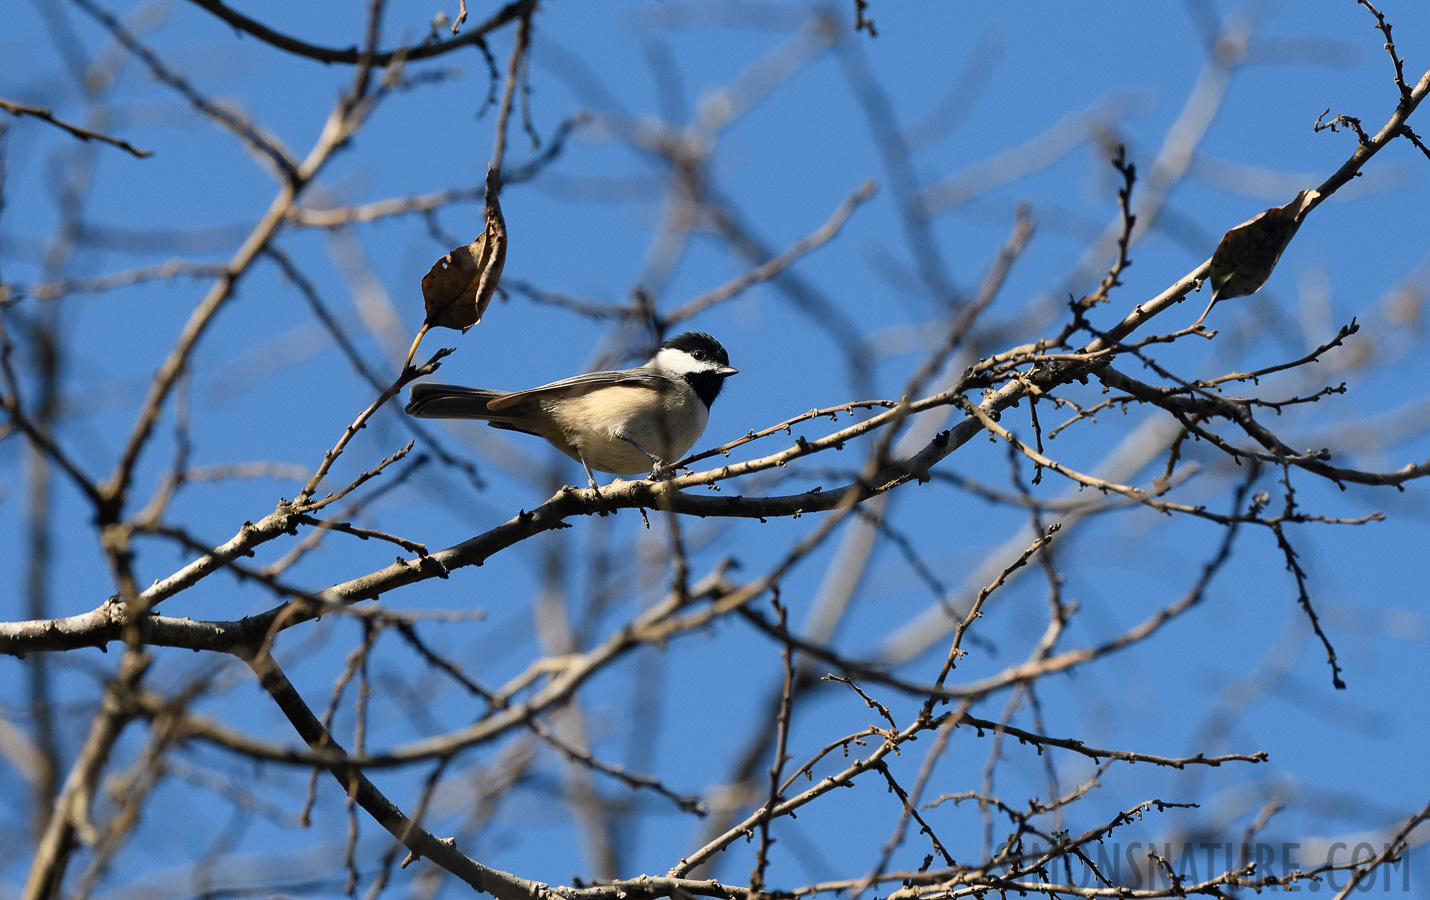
{"points": [[624, 422]]}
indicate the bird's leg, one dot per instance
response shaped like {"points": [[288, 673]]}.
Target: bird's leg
{"points": [[657, 468], [590, 476]]}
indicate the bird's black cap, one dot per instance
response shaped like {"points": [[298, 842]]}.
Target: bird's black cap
{"points": [[692, 341]]}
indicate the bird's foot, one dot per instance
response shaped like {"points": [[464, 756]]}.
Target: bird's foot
{"points": [[600, 497]]}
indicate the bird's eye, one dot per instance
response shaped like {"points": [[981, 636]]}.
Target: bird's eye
{"points": [[699, 355]]}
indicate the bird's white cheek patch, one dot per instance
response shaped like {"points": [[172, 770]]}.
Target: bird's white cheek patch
{"points": [[678, 361]]}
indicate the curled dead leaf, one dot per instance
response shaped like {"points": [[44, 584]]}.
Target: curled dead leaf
{"points": [[458, 287], [1248, 253]]}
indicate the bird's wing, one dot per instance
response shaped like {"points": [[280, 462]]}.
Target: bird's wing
{"points": [[642, 377]]}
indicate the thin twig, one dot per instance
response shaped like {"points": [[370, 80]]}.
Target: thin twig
{"points": [[84, 134]]}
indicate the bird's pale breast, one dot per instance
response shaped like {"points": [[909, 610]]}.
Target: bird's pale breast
{"points": [[596, 422]]}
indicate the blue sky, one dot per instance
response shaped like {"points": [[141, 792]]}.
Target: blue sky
{"points": [[968, 84]]}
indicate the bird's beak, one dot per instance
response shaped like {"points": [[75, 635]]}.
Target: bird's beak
{"points": [[726, 371]]}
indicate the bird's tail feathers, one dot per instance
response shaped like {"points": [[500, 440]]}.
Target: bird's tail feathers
{"points": [[450, 401]]}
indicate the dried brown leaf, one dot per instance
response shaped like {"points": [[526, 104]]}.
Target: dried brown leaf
{"points": [[1248, 253], [458, 287]]}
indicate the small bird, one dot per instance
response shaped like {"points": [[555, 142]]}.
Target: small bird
{"points": [[624, 422]]}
